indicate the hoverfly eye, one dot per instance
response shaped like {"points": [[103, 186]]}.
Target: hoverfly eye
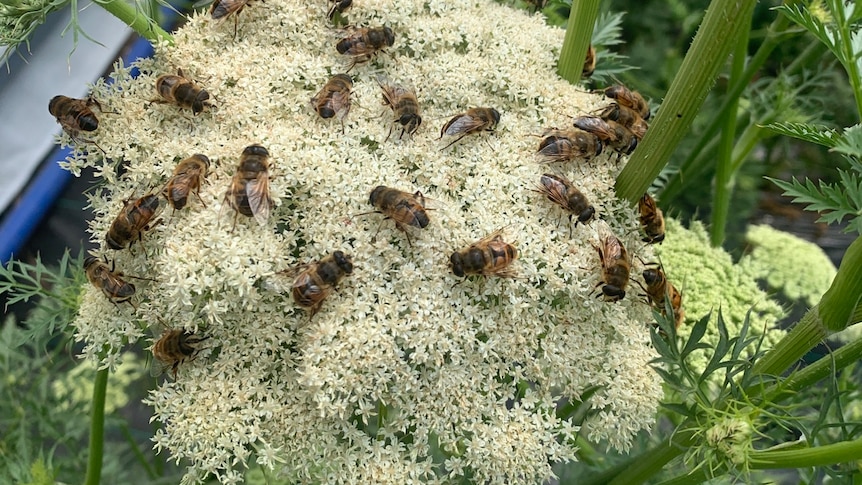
{"points": [[455, 260], [89, 123]]}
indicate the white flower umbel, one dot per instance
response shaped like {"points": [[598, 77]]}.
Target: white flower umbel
{"points": [[405, 373]]}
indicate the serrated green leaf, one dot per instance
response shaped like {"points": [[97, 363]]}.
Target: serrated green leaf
{"points": [[667, 327], [854, 13], [661, 346], [856, 45], [608, 29], [850, 142], [832, 201], [800, 15], [742, 339], [669, 378], [852, 186], [812, 133], [609, 64]]}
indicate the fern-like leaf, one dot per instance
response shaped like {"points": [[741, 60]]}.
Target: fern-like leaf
{"points": [[834, 202], [56, 292], [813, 24], [811, 133], [850, 142], [608, 29], [609, 64]]}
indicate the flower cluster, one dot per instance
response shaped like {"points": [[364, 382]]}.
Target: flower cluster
{"points": [[77, 387], [798, 268], [406, 373], [710, 281], [728, 439]]}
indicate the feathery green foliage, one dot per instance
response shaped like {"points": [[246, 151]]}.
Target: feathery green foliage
{"points": [[812, 133], [835, 24], [609, 63], [57, 292], [835, 201]]}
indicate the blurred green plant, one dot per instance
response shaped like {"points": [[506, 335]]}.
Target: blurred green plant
{"points": [[835, 24], [46, 397], [55, 293], [726, 429]]}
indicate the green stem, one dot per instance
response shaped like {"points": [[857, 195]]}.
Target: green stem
{"points": [[587, 453], [140, 23], [842, 301], [641, 468], [846, 451], [838, 309], [748, 140], [695, 477], [696, 161], [824, 367], [97, 429], [136, 450], [579, 32], [725, 22], [848, 58], [807, 333], [724, 173]]}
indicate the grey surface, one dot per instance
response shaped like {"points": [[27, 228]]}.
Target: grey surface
{"points": [[27, 132]]}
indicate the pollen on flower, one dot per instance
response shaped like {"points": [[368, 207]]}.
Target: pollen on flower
{"points": [[472, 372]]}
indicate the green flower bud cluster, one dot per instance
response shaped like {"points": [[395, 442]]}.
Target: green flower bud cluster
{"points": [[794, 266], [709, 280]]}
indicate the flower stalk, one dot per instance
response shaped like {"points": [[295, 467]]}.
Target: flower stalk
{"points": [[697, 160], [145, 26], [725, 172], [841, 301], [810, 375], [843, 452], [807, 333], [641, 468], [849, 55], [97, 429], [579, 32], [725, 22]]}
